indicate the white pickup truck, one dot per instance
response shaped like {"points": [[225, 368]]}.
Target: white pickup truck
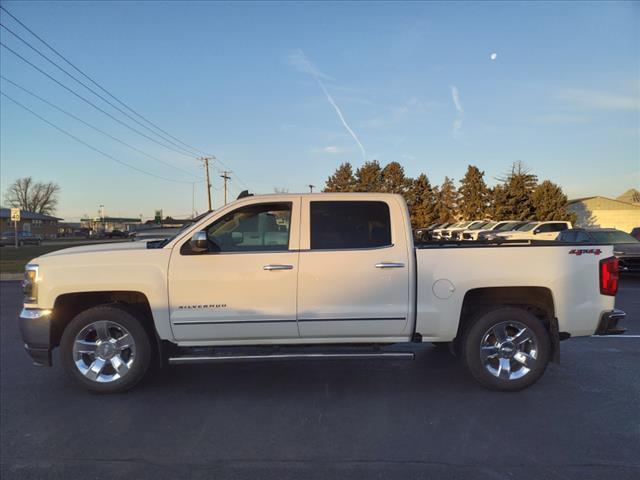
{"points": [[312, 276]]}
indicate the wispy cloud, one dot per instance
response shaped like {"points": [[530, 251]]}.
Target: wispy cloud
{"points": [[332, 149], [301, 62], [598, 100], [457, 124]]}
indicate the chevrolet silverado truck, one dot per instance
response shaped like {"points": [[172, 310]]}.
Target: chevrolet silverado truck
{"points": [[283, 277]]}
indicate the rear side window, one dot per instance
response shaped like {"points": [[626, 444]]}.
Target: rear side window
{"points": [[340, 225], [567, 237]]}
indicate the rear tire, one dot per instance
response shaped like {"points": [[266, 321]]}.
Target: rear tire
{"points": [[506, 348], [106, 349]]}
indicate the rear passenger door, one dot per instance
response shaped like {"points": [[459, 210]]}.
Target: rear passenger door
{"points": [[354, 269]]}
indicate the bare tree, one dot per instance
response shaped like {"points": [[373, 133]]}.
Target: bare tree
{"points": [[32, 196]]}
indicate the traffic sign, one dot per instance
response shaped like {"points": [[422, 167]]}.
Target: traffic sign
{"points": [[15, 214]]}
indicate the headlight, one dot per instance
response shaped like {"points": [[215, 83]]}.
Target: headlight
{"points": [[30, 284]]}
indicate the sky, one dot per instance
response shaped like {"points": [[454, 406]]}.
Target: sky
{"points": [[283, 93]]}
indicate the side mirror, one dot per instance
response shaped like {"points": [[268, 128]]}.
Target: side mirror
{"points": [[536, 231], [199, 242]]}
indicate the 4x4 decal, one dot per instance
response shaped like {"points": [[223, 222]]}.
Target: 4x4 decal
{"points": [[581, 251]]}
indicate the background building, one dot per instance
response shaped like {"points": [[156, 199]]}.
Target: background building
{"points": [[36, 223], [622, 212]]}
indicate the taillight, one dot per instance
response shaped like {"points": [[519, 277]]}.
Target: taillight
{"points": [[609, 276]]}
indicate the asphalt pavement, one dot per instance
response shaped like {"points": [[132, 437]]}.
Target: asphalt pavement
{"points": [[328, 419]]}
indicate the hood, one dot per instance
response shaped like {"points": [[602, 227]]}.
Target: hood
{"points": [[99, 247], [631, 249]]}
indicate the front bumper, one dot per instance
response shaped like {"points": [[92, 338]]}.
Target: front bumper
{"points": [[35, 326], [608, 324]]}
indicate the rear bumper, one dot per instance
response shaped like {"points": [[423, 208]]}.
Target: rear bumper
{"points": [[35, 326], [608, 324]]}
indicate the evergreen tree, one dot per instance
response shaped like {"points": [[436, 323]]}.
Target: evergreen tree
{"points": [[393, 179], [497, 202], [550, 203], [519, 185], [447, 201], [421, 199], [369, 177], [342, 180], [473, 195]]}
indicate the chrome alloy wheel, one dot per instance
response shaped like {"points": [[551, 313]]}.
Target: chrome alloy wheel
{"points": [[104, 351], [509, 350]]}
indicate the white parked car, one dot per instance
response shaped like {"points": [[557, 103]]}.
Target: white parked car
{"points": [[266, 277], [451, 233], [537, 231], [471, 233], [502, 226], [437, 232]]}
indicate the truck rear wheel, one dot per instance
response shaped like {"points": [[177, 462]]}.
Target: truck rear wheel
{"points": [[105, 349], [507, 348]]}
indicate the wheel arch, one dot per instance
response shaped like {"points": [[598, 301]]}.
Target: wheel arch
{"points": [[67, 306], [536, 300]]}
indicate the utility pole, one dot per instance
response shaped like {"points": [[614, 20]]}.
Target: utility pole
{"points": [[225, 176], [311, 187], [205, 161]]}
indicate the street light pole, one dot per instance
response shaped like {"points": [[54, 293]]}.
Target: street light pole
{"points": [[311, 187]]}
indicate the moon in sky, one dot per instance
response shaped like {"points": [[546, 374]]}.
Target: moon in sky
{"points": [[493, 56]]}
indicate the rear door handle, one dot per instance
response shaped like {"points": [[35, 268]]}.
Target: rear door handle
{"points": [[389, 265], [278, 267]]}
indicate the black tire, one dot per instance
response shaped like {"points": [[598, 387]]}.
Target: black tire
{"points": [[120, 319], [490, 373]]}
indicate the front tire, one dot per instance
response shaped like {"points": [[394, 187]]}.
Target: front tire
{"points": [[106, 349], [507, 348]]}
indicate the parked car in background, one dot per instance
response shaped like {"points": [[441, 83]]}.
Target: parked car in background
{"points": [[24, 238], [471, 233], [635, 233], [424, 234], [456, 233], [116, 234], [537, 231], [436, 233], [504, 226], [625, 247]]}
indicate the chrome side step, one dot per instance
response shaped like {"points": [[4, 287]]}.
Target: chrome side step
{"points": [[194, 359]]}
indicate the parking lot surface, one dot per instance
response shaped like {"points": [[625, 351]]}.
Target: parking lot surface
{"points": [[328, 419]]}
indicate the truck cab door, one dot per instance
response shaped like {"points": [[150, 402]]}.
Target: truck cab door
{"points": [[355, 270], [243, 286]]}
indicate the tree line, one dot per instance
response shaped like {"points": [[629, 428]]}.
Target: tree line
{"points": [[517, 196]]}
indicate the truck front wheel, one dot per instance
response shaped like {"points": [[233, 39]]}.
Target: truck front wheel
{"points": [[105, 349], [507, 348]]}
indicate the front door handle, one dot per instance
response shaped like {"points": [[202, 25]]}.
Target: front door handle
{"points": [[389, 265], [278, 267]]}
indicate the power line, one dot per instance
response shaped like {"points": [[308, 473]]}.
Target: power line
{"points": [[91, 89], [91, 146], [91, 103], [142, 152], [96, 83]]}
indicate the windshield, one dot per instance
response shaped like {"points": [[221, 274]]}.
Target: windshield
{"points": [[477, 225], [527, 226], [489, 225], [505, 227], [613, 236]]}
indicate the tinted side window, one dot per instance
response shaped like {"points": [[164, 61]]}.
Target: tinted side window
{"points": [[558, 227], [338, 225], [544, 228], [254, 228], [567, 237], [582, 237]]}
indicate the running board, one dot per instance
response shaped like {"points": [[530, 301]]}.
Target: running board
{"points": [[193, 359]]}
